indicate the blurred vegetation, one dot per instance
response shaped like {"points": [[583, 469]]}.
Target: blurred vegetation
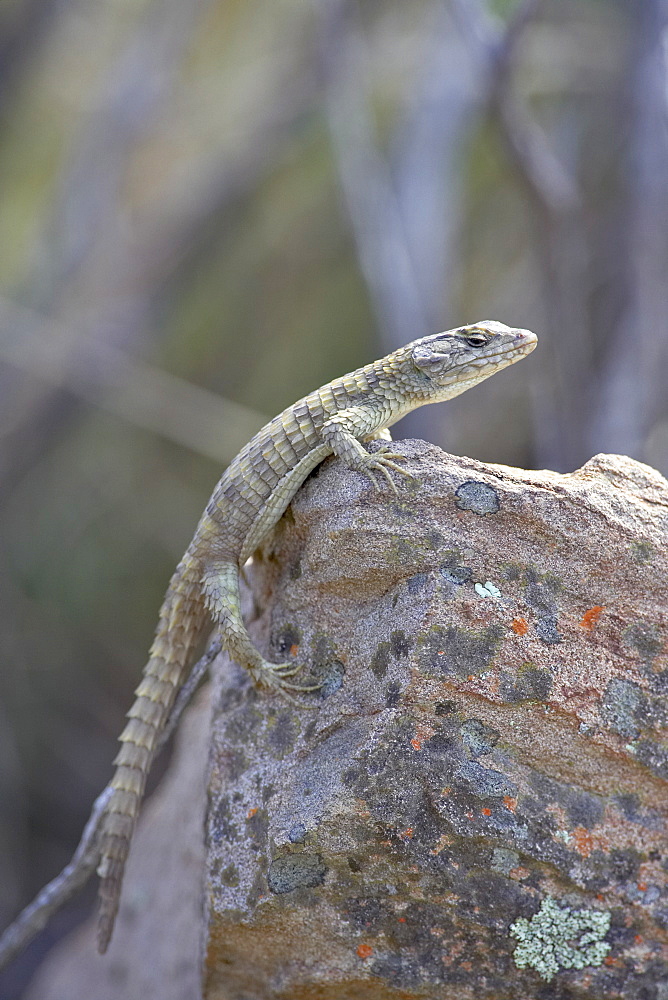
{"points": [[210, 208]]}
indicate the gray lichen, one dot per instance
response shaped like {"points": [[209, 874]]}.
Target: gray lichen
{"points": [[477, 497], [558, 937], [296, 871]]}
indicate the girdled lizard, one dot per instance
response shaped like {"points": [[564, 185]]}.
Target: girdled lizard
{"points": [[251, 496]]}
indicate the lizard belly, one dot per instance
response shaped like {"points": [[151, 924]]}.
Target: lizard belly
{"points": [[279, 500]]}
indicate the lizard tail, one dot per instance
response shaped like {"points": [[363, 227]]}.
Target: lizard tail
{"points": [[183, 617]]}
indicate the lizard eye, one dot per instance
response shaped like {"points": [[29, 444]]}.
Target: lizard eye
{"points": [[476, 339]]}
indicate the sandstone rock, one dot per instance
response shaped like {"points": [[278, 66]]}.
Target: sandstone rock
{"points": [[478, 806]]}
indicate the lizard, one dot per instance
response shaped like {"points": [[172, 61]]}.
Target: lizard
{"points": [[251, 496]]}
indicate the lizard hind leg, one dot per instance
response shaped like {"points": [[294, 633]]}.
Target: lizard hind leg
{"points": [[221, 586], [380, 434]]}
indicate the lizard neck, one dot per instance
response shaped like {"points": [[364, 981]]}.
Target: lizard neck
{"points": [[399, 386]]}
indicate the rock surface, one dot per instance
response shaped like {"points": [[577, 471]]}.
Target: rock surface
{"points": [[479, 805]]}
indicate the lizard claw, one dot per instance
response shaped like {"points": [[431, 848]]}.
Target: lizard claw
{"points": [[381, 461], [273, 675]]}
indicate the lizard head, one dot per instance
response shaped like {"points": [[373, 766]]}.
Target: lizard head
{"points": [[457, 359]]}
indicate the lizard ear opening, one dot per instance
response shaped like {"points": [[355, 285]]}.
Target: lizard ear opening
{"points": [[428, 361]]}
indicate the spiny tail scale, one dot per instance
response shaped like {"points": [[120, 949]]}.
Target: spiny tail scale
{"points": [[183, 618]]}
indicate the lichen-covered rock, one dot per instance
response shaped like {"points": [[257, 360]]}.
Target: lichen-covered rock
{"points": [[485, 767]]}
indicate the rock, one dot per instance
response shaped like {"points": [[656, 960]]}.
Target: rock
{"points": [[477, 805], [475, 802]]}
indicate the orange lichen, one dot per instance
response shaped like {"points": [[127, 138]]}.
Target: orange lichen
{"points": [[294, 649], [584, 842], [407, 833], [422, 732], [591, 616], [510, 802], [365, 951], [519, 626], [251, 813], [486, 811]]}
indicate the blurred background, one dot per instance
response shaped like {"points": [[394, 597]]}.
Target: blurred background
{"points": [[208, 209]]}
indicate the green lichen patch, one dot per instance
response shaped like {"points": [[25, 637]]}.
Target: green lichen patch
{"points": [[404, 551], [452, 569], [645, 638], [558, 937], [642, 552], [399, 644], [229, 876], [547, 631], [478, 738], [531, 683], [328, 676], [624, 707], [380, 660], [504, 860], [327, 670], [484, 782], [296, 871], [460, 651]]}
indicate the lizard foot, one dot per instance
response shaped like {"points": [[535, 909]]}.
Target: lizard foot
{"points": [[381, 461], [274, 675]]}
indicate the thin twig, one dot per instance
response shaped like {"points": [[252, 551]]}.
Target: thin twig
{"points": [[542, 172], [365, 177], [112, 379], [555, 200], [84, 861], [402, 200], [55, 894], [631, 394]]}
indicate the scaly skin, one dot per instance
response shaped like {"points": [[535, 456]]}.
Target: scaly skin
{"points": [[249, 499]]}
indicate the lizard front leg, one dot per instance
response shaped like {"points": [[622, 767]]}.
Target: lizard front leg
{"points": [[344, 433]]}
